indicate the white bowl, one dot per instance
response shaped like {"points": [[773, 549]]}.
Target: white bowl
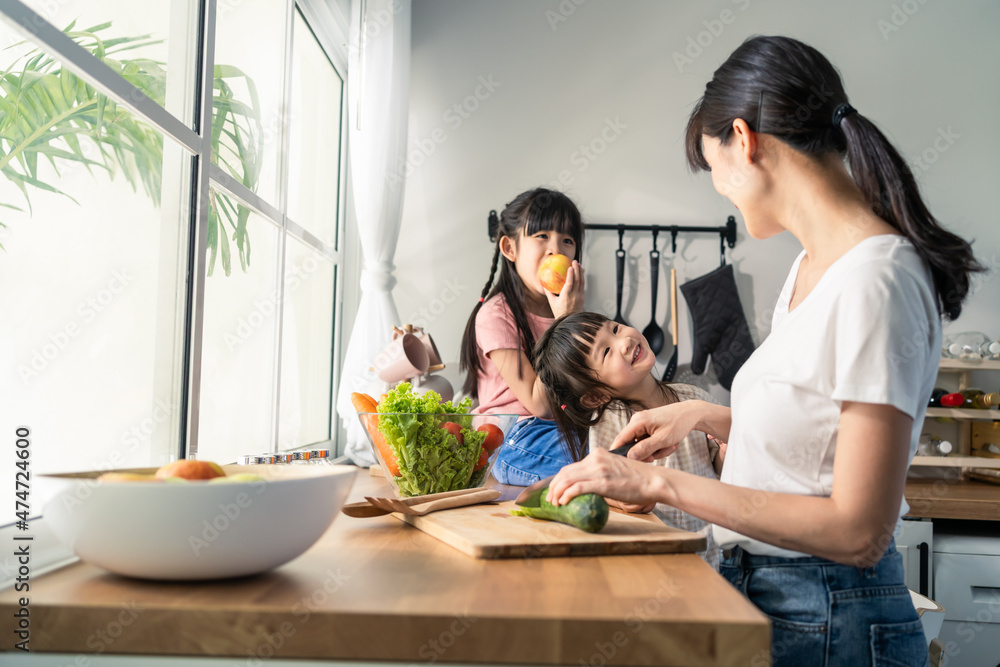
{"points": [[196, 530]]}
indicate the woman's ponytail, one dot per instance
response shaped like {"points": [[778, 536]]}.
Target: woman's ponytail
{"points": [[469, 360], [792, 92], [887, 183]]}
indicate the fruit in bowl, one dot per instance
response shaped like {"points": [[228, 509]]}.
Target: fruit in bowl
{"points": [[427, 446], [251, 519], [180, 471], [189, 469], [552, 272]]}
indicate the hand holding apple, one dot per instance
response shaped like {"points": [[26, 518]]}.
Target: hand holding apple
{"points": [[553, 271], [570, 296]]}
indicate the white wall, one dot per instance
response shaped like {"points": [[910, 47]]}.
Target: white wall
{"points": [[559, 71]]}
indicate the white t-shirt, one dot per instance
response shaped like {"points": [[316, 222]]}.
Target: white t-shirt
{"points": [[869, 331]]}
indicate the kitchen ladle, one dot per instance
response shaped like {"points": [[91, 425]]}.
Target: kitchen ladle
{"points": [[653, 333]]}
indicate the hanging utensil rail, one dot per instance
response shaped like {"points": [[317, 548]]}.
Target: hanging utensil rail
{"points": [[726, 232]]}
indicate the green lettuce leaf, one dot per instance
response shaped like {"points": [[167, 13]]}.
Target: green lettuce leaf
{"points": [[431, 459]]}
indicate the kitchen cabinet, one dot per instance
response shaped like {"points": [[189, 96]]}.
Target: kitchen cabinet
{"points": [[379, 590], [967, 585]]}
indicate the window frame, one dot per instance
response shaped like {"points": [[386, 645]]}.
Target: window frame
{"points": [[330, 28]]}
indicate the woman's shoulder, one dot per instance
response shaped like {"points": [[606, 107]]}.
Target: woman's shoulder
{"points": [[887, 275], [886, 258]]}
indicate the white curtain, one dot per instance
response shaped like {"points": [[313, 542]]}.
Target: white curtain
{"points": [[378, 90]]}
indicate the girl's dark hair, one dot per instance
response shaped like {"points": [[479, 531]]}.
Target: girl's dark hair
{"points": [[789, 90], [561, 363], [538, 210]]}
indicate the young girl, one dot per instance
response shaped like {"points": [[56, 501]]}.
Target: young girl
{"points": [[497, 349], [597, 374]]}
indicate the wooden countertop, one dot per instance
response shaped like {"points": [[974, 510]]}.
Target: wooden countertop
{"points": [[953, 499], [377, 589]]}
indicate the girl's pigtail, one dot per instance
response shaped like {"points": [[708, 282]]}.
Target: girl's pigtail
{"points": [[469, 362]]}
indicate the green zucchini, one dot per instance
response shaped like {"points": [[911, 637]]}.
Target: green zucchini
{"points": [[588, 512]]}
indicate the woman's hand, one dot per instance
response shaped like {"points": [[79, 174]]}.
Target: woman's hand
{"points": [[662, 429], [608, 475], [570, 298], [630, 508]]}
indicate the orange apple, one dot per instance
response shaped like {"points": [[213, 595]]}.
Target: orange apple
{"points": [[187, 469], [552, 272]]}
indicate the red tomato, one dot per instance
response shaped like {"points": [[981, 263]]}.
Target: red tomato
{"points": [[484, 457], [455, 430], [494, 436]]}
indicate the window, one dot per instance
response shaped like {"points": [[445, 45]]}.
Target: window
{"points": [[114, 360]]}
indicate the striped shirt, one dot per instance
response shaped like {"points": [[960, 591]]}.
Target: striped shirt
{"points": [[695, 455]]}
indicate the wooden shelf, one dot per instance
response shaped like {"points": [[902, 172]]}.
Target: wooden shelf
{"points": [[938, 499], [955, 462], [957, 413], [959, 365]]}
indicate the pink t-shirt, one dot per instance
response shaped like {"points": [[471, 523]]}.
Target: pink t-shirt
{"points": [[495, 330]]}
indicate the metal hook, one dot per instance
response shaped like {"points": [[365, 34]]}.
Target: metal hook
{"points": [[656, 231], [673, 240], [722, 249], [621, 236]]}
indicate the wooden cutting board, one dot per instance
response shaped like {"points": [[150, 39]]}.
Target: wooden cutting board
{"points": [[491, 531]]}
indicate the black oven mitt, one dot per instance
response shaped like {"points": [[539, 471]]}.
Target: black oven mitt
{"points": [[720, 328]]}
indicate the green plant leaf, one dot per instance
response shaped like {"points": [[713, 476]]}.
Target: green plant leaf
{"points": [[49, 111]]}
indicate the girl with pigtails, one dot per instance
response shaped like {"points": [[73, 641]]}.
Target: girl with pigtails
{"points": [[826, 413], [513, 312]]}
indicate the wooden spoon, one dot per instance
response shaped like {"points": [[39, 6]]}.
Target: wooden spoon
{"points": [[366, 509]]}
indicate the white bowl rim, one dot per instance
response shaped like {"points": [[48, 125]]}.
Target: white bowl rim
{"points": [[94, 475]]}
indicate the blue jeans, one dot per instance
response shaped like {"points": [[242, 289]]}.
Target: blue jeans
{"points": [[825, 613], [533, 449]]}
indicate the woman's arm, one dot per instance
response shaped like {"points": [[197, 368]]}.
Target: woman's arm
{"points": [[667, 426], [852, 526], [527, 387]]}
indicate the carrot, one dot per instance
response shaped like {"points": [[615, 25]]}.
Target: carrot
{"points": [[365, 403], [385, 450]]}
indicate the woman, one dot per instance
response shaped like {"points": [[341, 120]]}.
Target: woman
{"points": [[826, 414]]}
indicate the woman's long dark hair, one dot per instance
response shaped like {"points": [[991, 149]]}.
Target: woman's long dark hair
{"points": [[789, 90], [561, 363], [538, 210]]}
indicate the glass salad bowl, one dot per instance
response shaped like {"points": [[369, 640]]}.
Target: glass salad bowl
{"points": [[423, 453]]}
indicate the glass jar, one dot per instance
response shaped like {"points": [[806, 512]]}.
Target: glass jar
{"points": [[319, 457], [932, 445], [965, 346]]}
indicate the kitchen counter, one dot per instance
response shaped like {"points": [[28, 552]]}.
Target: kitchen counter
{"points": [[940, 499], [377, 589]]}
